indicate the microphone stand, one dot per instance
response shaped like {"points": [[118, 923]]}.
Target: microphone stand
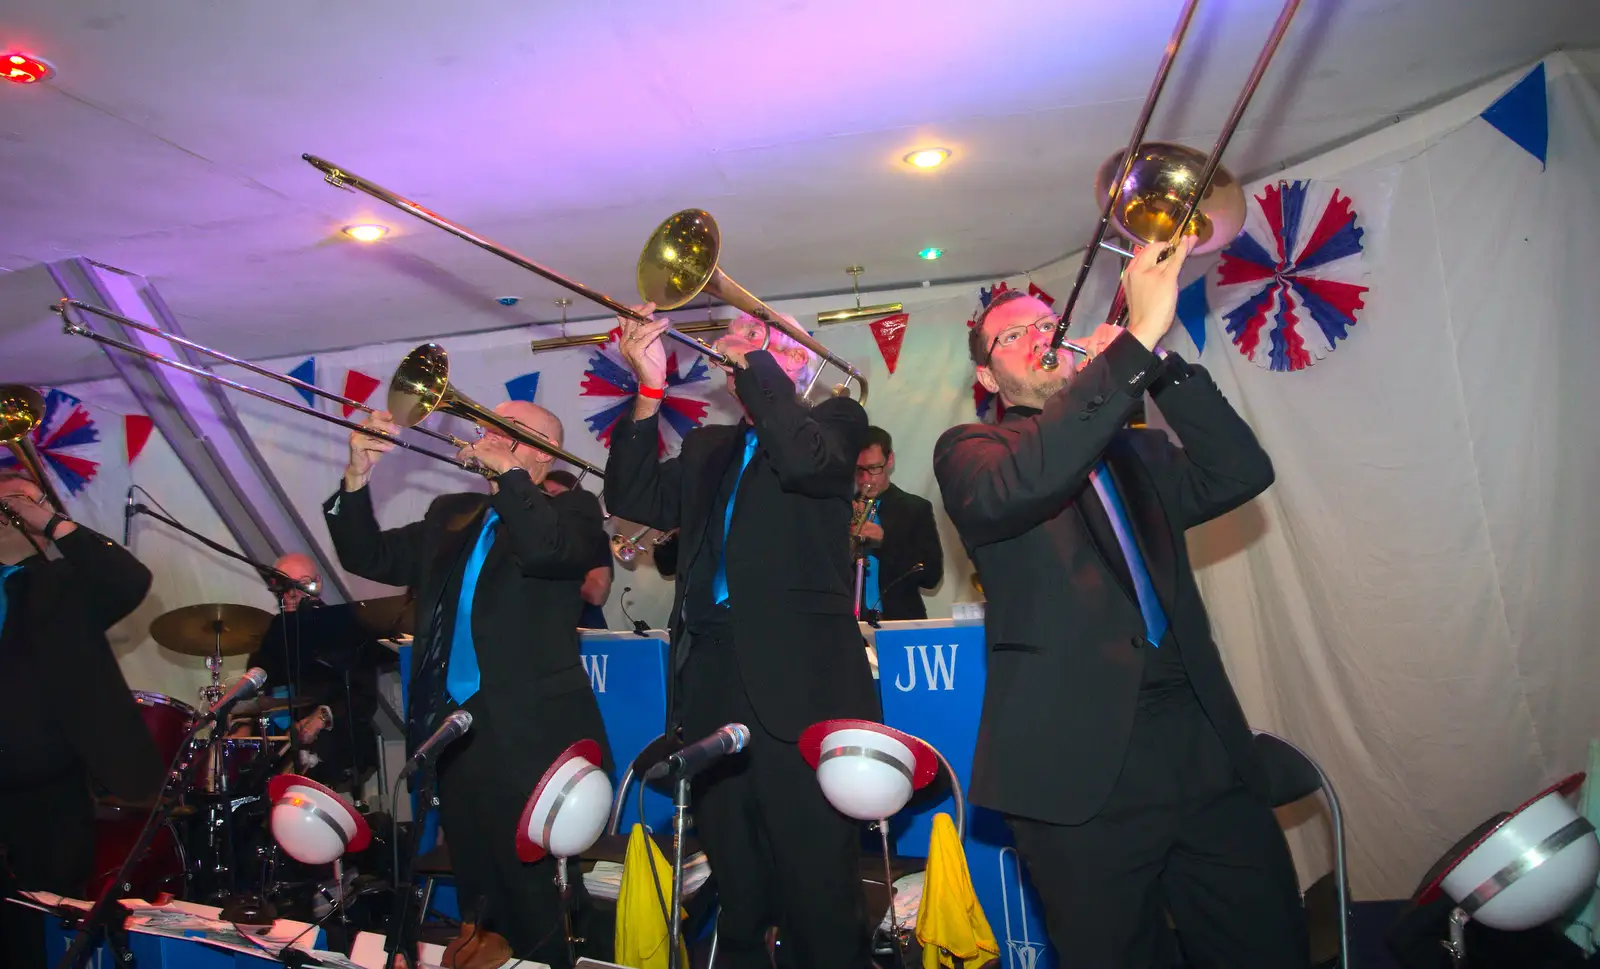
{"points": [[98, 920], [267, 571], [874, 617], [680, 815], [400, 931]]}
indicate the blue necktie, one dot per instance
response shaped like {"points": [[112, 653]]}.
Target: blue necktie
{"points": [[719, 583], [462, 681], [1155, 619], [5, 573]]}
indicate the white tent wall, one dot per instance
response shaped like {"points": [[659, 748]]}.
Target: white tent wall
{"points": [[1411, 601]]}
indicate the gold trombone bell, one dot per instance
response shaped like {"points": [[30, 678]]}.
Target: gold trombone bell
{"points": [[1157, 190], [421, 386], [21, 411], [679, 262]]}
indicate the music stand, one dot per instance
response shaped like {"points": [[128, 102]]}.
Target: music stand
{"points": [[338, 640]]}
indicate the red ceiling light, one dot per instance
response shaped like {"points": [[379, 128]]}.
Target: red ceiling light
{"points": [[24, 69]]}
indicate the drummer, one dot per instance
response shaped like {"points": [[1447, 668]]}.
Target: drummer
{"points": [[326, 755], [70, 718]]}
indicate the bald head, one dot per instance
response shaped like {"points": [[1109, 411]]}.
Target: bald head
{"points": [[542, 424], [534, 418], [302, 569]]}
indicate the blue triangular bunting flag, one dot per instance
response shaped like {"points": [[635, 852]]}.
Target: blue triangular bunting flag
{"points": [[1523, 115], [306, 373], [1192, 312], [523, 387]]}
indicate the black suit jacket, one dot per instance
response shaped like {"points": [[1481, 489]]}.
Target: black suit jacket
{"points": [[1064, 631], [57, 616], [790, 581], [524, 612], [910, 538]]}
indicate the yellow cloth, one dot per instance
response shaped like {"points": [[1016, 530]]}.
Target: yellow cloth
{"points": [[641, 930], [950, 922]]}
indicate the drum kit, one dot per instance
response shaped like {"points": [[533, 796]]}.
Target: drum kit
{"points": [[215, 846]]}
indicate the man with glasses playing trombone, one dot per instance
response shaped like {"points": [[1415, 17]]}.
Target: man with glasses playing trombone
{"points": [[762, 633], [1111, 738]]}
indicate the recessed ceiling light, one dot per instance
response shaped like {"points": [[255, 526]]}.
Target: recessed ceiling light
{"points": [[930, 253], [20, 68], [367, 232], [928, 157]]}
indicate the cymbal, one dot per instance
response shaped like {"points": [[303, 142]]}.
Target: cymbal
{"points": [[209, 628], [387, 617]]}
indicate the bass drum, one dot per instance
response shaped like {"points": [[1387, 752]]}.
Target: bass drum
{"points": [[116, 830], [168, 721]]}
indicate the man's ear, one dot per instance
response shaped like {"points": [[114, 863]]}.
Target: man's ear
{"points": [[987, 380]]}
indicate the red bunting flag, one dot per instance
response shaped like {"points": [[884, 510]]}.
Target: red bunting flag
{"points": [[889, 333], [1041, 295], [358, 386], [136, 433]]}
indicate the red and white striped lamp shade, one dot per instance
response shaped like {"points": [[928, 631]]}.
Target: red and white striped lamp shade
{"points": [[569, 807], [868, 771], [1526, 870], [312, 823]]}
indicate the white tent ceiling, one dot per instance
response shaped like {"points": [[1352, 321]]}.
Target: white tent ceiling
{"points": [[170, 143]]}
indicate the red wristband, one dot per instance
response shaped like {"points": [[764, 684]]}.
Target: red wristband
{"points": [[652, 393]]}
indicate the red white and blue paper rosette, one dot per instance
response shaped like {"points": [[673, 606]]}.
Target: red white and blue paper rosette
{"points": [[1287, 290], [610, 380], [67, 440]]}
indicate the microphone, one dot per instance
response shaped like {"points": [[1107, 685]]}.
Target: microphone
{"points": [[873, 616], [129, 509], [248, 686], [454, 726], [279, 582], [701, 754], [639, 627]]}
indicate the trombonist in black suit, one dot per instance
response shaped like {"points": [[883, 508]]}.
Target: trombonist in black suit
{"points": [[70, 718], [1110, 735], [513, 561], [762, 632]]}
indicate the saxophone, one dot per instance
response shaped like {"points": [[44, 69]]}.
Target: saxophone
{"points": [[858, 547]]}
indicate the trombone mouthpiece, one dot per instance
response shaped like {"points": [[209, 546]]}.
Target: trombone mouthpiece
{"points": [[1050, 361]]}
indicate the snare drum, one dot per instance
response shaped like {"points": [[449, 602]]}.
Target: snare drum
{"points": [[168, 721]]}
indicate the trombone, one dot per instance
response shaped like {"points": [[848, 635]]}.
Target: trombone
{"points": [[678, 263], [420, 386], [21, 412], [1157, 191], [627, 548]]}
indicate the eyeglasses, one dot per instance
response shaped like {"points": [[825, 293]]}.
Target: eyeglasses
{"points": [[873, 469], [1010, 335], [22, 497]]}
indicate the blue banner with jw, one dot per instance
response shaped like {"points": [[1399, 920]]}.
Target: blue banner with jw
{"points": [[931, 675], [628, 673]]}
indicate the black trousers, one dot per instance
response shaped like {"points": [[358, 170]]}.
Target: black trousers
{"points": [[779, 853], [1179, 836], [46, 844], [479, 807]]}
